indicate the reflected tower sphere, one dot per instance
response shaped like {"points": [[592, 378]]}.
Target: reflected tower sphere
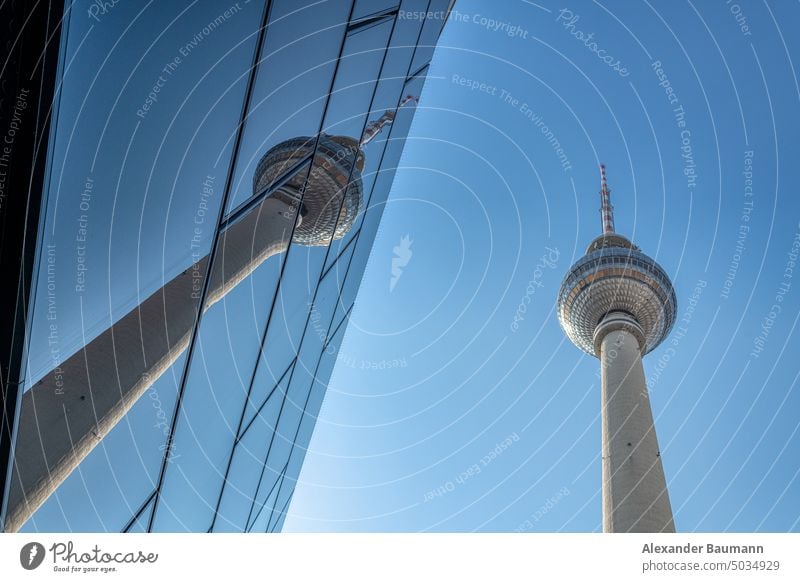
{"points": [[333, 190], [331, 196], [618, 304]]}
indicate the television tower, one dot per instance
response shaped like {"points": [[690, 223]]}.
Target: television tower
{"points": [[618, 304]]}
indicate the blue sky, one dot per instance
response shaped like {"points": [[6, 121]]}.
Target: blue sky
{"points": [[441, 415]]}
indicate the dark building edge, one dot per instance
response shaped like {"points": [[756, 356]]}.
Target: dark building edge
{"points": [[29, 70]]}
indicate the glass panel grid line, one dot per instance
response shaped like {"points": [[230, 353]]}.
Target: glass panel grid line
{"points": [[370, 21], [319, 359], [380, 167], [349, 177], [261, 508], [254, 201], [320, 277], [350, 243], [274, 513], [207, 278], [263, 404], [281, 513], [363, 128], [338, 327], [418, 72], [275, 296], [139, 511]]}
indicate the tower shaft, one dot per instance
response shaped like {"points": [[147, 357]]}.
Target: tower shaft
{"points": [[635, 497]]}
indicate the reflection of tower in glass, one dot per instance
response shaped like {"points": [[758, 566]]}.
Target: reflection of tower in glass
{"points": [[65, 415], [617, 304], [333, 196]]}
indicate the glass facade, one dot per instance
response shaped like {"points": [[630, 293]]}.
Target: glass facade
{"points": [[210, 204]]}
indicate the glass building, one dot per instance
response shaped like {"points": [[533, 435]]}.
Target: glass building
{"points": [[212, 179]]}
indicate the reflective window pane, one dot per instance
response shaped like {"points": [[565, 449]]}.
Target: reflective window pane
{"points": [[290, 312], [141, 151], [263, 513], [304, 430], [324, 207], [279, 523], [139, 525], [367, 7], [318, 329], [380, 192], [246, 466], [265, 386], [430, 34], [356, 77], [245, 274], [297, 62], [352, 282], [387, 96], [282, 442]]}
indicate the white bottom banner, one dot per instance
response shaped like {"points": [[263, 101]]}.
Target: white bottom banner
{"points": [[401, 557]]}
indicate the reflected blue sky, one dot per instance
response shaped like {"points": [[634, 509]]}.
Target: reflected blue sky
{"points": [[443, 416], [134, 229]]}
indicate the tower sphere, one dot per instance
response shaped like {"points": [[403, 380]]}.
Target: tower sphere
{"points": [[331, 204], [615, 276]]}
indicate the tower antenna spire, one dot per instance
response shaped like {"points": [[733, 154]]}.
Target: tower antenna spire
{"points": [[606, 210], [375, 127]]}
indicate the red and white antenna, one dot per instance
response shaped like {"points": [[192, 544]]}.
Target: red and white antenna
{"points": [[375, 127], [606, 210]]}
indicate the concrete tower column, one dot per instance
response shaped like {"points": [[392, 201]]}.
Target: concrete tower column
{"points": [[635, 497], [617, 304]]}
